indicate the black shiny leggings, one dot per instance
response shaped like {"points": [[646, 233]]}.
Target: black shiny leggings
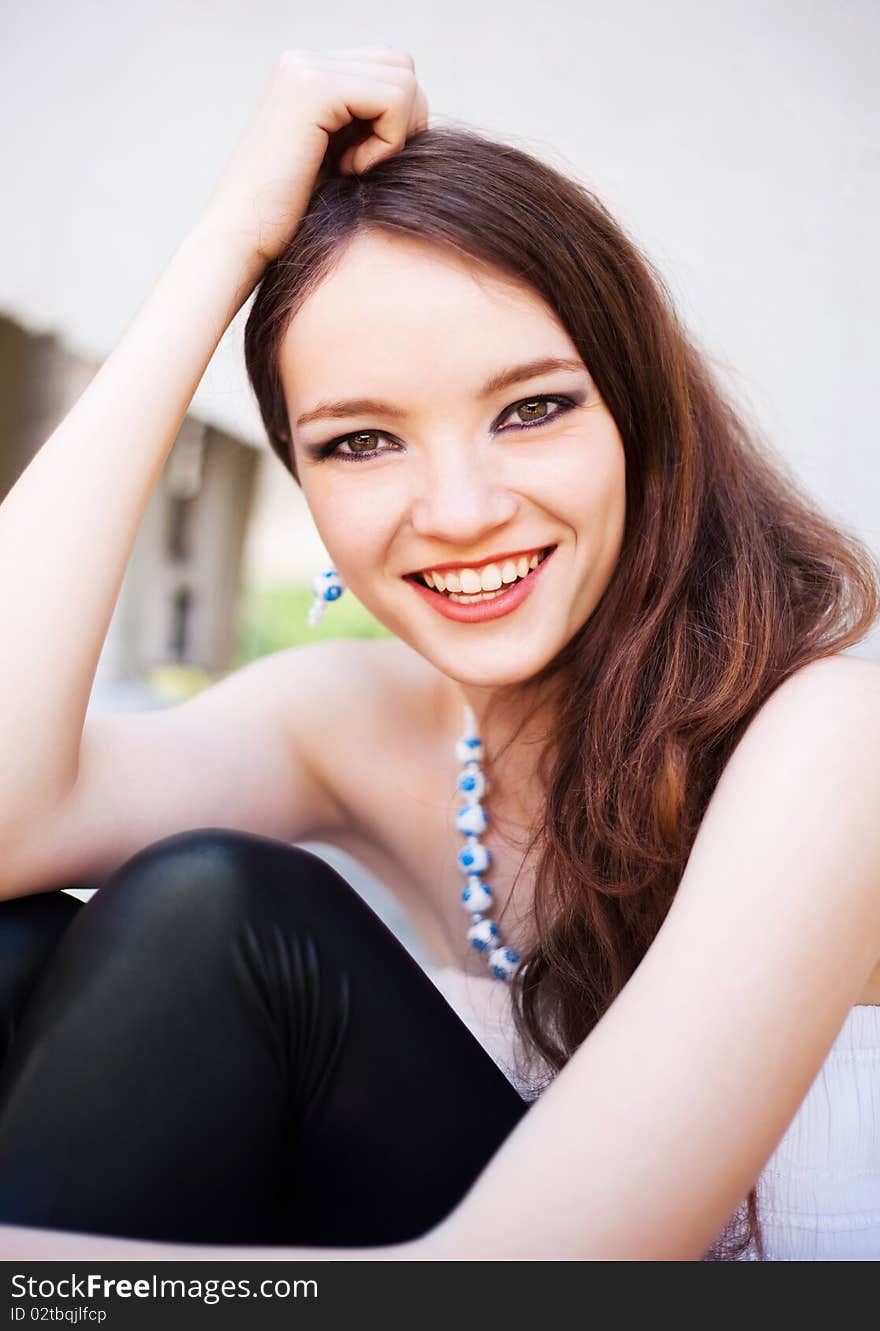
{"points": [[227, 1045]]}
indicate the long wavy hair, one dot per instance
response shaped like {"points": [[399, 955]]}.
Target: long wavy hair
{"points": [[728, 580]]}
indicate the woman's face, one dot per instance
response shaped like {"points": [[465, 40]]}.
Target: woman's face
{"points": [[393, 357]]}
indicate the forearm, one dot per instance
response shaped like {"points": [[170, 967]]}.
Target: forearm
{"points": [[68, 525], [18, 1243]]}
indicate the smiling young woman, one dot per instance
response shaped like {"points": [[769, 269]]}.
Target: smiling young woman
{"points": [[521, 465], [505, 445], [689, 580]]}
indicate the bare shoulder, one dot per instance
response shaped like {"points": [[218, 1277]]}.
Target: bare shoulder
{"points": [[368, 676], [843, 675], [273, 748], [823, 717], [802, 785], [790, 835], [407, 669], [373, 699], [821, 694], [410, 698]]}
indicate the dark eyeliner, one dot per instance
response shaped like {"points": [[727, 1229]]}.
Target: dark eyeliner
{"points": [[566, 402]]}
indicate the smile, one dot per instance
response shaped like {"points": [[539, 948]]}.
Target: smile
{"points": [[486, 577], [474, 606]]}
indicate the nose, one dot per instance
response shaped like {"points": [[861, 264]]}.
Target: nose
{"points": [[459, 500]]}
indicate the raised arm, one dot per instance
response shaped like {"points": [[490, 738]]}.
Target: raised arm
{"points": [[68, 525]]}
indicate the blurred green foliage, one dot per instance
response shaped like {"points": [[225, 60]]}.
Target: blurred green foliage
{"points": [[174, 681], [268, 619], [273, 617]]}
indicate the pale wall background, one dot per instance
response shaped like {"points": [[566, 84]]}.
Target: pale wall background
{"points": [[736, 140]]}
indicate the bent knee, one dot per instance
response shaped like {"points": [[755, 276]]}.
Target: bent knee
{"points": [[205, 876]]}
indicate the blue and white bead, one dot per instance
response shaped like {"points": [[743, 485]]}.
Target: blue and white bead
{"points": [[503, 961], [469, 749], [471, 819], [474, 858], [477, 897], [484, 934], [327, 586], [472, 784]]}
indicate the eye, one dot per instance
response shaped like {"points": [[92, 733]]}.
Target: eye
{"points": [[536, 409], [354, 442]]}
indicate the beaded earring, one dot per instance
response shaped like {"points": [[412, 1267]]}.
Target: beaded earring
{"points": [[327, 587]]}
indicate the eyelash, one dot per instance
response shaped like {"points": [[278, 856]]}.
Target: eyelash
{"points": [[564, 403]]}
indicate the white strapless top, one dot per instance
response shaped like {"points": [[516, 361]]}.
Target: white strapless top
{"points": [[819, 1194]]}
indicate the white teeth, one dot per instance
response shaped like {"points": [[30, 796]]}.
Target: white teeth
{"points": [[470, 583], [471, 600], [470, 580], [490, 578]]}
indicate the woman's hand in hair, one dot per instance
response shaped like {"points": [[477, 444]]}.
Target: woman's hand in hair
{"points": [[321, 111]]}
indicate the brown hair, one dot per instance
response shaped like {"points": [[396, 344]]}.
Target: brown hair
{"points": [[729, 579]]}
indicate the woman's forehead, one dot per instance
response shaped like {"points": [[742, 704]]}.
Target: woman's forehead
{"points": [[400, 301], [403, 275]]}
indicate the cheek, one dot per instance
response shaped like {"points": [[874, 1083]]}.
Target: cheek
{"points": [[610, 479], [606, 507], [351, 527], [609, 505], [583, 479]]}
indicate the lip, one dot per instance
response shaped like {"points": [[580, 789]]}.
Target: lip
{"points": [[501, 605], [478, 564]]}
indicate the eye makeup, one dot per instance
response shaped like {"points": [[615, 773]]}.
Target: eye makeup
{"points": [[563, 403]]}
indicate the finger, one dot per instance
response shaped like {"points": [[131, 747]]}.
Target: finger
{"points": [[387, 106], [419, 117], [418, 121], [380, 55], [364, 69]]}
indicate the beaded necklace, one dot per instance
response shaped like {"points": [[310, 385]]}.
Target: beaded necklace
{"points": [[474, 859]]}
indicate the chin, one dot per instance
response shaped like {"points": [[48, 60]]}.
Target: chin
{"points": [[516, 655], [492, 673]]}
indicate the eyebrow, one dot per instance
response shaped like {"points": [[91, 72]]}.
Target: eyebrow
{"points": [[515, 374]]}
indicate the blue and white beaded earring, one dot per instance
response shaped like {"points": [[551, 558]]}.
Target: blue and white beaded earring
{"points": [[327, 587]]}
